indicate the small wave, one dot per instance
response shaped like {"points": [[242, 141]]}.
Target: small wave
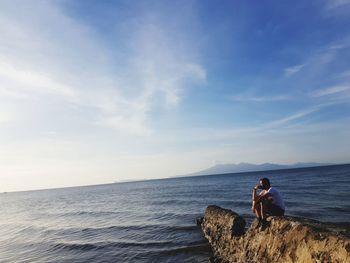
{"points": [[82, 247], [193, 248], [306, 214], [338, 209], [190, 249], [110, 245], [137, 233], [88, 213], [235, 203], [143, 228], [172, 202]]}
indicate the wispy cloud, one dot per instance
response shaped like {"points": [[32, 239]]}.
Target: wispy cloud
{"points": [[270, 131], [338, 46], [317, 62], [293, 117], [28, 81], [331, 91], [293, 70], [343, 75], [5, 117], [243, 98], [331, 4], [336, 8], [75, 65]]}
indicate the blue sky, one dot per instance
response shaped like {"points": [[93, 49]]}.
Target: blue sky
{"points": [[102, 91]]}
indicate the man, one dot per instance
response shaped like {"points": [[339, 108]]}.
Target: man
{"points": [[268, 203]]}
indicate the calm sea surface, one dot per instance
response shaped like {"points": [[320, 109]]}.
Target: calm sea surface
{"points": [[152, 221]]}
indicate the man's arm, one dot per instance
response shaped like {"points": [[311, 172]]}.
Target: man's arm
{"points": [[260, 198], [254, 197]]}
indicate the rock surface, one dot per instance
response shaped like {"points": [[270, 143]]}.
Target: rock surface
{"points": [[285, 239]]}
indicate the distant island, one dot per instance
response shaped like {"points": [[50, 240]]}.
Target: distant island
{"points": [[249, 167]]}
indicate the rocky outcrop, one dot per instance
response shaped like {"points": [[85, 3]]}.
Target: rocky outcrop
{"points": [[283, 239]]}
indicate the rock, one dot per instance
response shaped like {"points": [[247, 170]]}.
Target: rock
{"points": [[284, 239]]}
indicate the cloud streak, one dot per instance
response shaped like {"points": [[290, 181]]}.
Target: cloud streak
{"points": [[242, 98], [333, 4], [293, 117], [293, 70], [28, 81], [339, 89]]}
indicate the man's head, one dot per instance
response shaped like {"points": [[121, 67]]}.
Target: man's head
{"points": [[265, 183]]}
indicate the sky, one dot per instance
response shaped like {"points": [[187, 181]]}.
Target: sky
{"points": [[95, 92]]}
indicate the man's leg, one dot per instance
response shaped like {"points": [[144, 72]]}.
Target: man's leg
{"points": [[263, 215], [263, 209], [256, 210]]}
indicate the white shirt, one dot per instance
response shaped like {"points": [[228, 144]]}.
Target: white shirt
{"points": [[276, 197]]}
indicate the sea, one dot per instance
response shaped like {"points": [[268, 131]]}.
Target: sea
{"points": [[154, 220]]}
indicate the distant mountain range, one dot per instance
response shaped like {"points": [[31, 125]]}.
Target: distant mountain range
{"points": [[249, 167]]}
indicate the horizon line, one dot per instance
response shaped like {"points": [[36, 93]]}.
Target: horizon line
{"points": [[169, 177]]}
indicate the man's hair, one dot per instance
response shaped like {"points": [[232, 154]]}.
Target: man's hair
{"points": [[265, 181]]}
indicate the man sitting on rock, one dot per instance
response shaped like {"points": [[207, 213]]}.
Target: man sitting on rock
{"points": [[268, 203]]}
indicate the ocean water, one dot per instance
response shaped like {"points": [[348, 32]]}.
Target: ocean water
{"points": [[152, 221]]}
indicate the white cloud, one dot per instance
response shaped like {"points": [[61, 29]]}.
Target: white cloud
{"points": [[338, 46], [5, 117], [336, 8], [331, 91], [12, 77], [241, 135], [344, 74], [79, 100], [46, 53], [293, 117], [331, 4], [293, 70], [317, 63], [260, 99], [131, 125]]}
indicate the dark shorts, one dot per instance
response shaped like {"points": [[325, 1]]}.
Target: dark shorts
{"points": [[274, 210]]}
